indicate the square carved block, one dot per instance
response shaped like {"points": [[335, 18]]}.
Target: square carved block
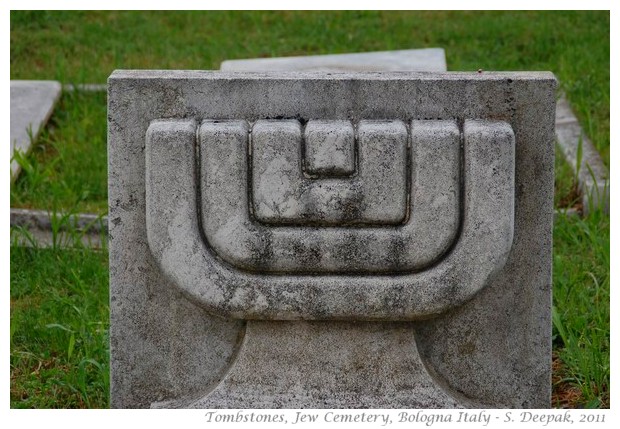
{"points": [[282, 194], [330, 148], [251, 210]]}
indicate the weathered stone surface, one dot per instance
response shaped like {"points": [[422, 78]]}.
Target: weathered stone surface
{"points": [[236, 238], [421, 60], [335, 365], [32, 103], [281, 193], [329, 148], [208, 300]]}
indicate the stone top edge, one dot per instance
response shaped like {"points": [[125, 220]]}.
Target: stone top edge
{"points": [[354, 53], [322, 75], [397, 52], [25, 82]]}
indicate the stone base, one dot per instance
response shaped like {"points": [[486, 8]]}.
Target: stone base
{"points": [[327, 365]]}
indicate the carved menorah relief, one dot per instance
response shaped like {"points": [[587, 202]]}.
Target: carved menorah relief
{"points": [[383, 207]]}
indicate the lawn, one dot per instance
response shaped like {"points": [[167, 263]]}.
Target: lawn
{"points": [[581, 285], [50, 302], [59, 328]]}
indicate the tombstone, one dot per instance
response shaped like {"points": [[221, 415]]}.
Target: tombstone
{"points": [[326, 240]]}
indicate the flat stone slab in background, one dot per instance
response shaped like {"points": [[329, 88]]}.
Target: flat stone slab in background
{"points": [[32, 103], [42, 228], [423, 60], [592, 174], [44, 220], [37, 237]]}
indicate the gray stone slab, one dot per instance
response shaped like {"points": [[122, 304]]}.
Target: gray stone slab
{"points": [[422, 60], [44, 220], [42, 228], [32, 103], [211, 307], [592, 174]]}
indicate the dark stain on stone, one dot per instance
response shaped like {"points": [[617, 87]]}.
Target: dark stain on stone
{"points": [[467, 348], [262, 251]]}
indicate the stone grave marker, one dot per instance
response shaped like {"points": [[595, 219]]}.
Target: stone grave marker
{"points": [[340, 240]]}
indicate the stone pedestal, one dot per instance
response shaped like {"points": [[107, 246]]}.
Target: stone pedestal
{"points": [[329, 365]]}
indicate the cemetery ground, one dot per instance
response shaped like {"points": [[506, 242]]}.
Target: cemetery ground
{"points": [[59, 294]]}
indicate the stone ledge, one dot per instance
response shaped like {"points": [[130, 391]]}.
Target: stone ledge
{"points": [[77, 229], [42, 219], [592, 174], [85, 87]]}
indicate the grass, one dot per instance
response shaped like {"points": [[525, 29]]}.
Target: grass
{"points": [[67, 168], [59, 328], [61, 294], [566, 192], [581, 307]]}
